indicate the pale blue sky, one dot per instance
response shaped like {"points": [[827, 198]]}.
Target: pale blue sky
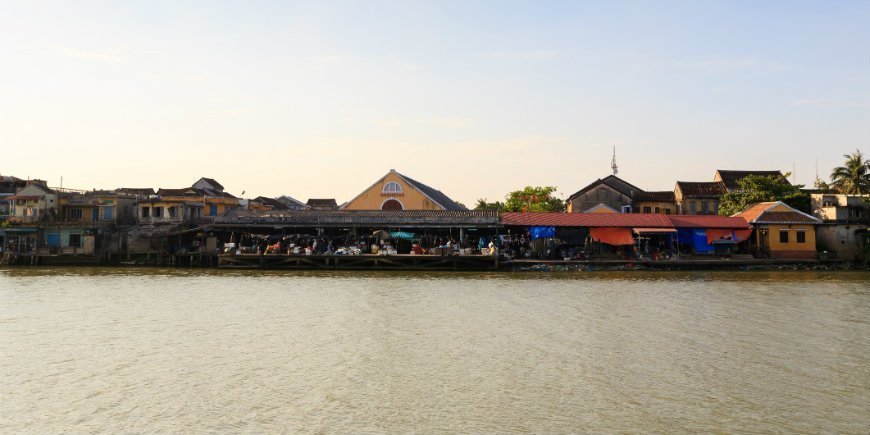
{"points": [[320, 99]]}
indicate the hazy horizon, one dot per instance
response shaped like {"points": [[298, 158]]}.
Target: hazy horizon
{"points": [[319, 100]]}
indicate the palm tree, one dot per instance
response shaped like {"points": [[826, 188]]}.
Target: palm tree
{"points": [[854, 177]]}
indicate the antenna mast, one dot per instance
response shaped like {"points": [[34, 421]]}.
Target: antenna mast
{"points": [[613, 162]]}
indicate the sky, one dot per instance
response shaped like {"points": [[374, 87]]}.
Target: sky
{"points": [[475, 98]]}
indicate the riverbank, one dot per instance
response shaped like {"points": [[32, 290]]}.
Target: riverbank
{"points": [[426, 263]]}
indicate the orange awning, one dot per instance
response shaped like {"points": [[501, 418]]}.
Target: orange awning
{"points": [[714, 234], [741, 235], [612, 236]]}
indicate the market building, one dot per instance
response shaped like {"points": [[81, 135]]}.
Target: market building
{"points": [[623, 235], [395, 191]]}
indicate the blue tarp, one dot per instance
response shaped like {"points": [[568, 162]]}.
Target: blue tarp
{"points": [[696, 238], [542, 232], [404, 235]]}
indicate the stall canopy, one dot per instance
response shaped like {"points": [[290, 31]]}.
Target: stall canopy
{"points": [[696, 238], [542, 232], [719, 235], [612, 236], [741, 235]]}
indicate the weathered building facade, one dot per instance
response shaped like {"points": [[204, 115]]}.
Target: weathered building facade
{"points": [[845, 220], [610, 191], [698, 197]]}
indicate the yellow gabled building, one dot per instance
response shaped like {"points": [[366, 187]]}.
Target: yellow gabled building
{"points": [[395, 191], [780, 231]]}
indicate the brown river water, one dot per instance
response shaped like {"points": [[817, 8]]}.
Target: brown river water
{"points": [[193, 351]]}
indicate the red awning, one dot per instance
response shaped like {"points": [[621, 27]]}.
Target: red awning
{"points": [[714, 234], [612, 236], [741, 235], [24, 198]]}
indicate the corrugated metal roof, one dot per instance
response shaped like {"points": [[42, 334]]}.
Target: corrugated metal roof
{"points": [[585, 220], [621, 220], [708, 221], [327, 218]]}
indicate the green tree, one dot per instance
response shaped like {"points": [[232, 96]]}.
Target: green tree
{"points": [[822, 185], [534, 198], [854, 176], [764, 188], [483, 205]]}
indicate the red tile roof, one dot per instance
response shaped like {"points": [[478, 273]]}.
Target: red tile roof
{"points": [[708, 221], [761, 213], [752, 213], [701, 189], [633, 220]]}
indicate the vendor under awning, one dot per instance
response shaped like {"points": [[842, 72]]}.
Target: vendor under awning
{"points": [[612, 236]]}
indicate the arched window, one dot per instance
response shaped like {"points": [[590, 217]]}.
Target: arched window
{"points": [[392, 205], [392, 187]]}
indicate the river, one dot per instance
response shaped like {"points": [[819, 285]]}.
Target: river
{"points": [[163, 350]]}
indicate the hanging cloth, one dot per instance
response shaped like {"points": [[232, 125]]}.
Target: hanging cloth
{"points": [[612, 236]]}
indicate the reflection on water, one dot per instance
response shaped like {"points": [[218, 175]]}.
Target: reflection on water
{"points": [[168, 350]]}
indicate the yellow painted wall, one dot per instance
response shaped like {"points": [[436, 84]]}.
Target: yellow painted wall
{"points": [[792, 245], [652, 205], [373, 197]]}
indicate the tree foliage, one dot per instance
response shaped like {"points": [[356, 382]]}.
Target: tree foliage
{"points": [[854, 176], [764, 188], [483, 205], [534, 199]]}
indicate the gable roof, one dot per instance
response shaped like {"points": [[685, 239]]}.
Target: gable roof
{"points": [[274, 203], [701, 188], [290, 201], [612, 181], [38, 186], [212, 182], [657, 196], [731, 177], [601, 206], [763, 213], [434, 194]]}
